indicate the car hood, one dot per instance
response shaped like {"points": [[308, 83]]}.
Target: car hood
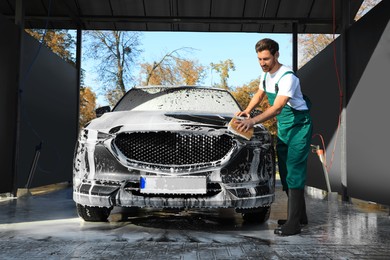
{"points": [[124, 121]]}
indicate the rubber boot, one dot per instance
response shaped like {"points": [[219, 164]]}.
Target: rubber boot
{"points": [[295, 207], [283, 221], [303, 221]]}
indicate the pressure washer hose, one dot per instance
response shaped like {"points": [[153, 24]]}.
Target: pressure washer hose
{"points": [[321, 156]]}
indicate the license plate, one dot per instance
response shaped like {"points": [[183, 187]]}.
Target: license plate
{"points": [[173, 184]]}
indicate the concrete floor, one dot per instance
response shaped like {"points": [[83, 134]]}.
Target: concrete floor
{"points": [[46, 226]]}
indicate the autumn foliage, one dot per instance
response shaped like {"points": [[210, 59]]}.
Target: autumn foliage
{"points": [[172, 69], [87, 106], [223, 68], [59, 41], [244, 94]]}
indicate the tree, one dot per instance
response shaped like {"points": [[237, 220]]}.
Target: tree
{"points": [[115, 53], [59, 41], [87, 106], [113, 96], [244, 94], [366, 6], [172, 69], [190, 71], [312, 44], [223, 69]]}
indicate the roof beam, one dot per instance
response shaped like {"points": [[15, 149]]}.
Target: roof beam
{"points": [[183, 20]]}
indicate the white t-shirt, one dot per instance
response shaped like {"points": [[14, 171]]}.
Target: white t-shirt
{"points": [[288, 86]]}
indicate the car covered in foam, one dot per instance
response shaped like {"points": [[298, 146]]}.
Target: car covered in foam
{"points": [[170, 147]]}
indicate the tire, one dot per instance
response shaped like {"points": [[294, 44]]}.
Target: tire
{"points": [[258, 215], [93, 214]]}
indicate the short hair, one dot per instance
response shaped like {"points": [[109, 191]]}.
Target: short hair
{"points": [[267, 44]]}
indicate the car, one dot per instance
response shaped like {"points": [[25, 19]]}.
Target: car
{"points": [[171, 148]]}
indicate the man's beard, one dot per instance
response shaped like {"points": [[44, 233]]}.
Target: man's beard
{"points": [[265, 68]]}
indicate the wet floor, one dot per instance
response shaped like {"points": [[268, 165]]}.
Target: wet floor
{"points": [[46, 226]]}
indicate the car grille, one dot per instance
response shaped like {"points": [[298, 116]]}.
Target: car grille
{"points": [[169, 148]]}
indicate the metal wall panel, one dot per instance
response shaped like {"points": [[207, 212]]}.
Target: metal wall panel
{"points": [[319, 82], [368, 124], [48, 116], [8, 96]]}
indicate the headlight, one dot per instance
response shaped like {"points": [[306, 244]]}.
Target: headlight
{"points": [[94, 136], [101, 137]]}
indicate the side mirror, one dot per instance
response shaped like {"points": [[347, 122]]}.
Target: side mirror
{"points": [[101, 110]]}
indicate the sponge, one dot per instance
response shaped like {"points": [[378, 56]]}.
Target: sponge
{"points": [[232, 127]]}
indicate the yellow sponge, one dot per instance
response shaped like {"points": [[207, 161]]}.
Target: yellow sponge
{"points": [[232, 127]]}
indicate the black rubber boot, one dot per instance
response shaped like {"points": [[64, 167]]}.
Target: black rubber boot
{"points": [[283, 221], [303, 221], [295, 207]]}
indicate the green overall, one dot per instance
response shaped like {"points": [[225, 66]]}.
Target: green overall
{"points": [[293, 143]]}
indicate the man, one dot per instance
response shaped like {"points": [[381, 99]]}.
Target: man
{"points": [[294, 124]]}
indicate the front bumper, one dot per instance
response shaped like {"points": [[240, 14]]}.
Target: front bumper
{"points": [[227, 197]]}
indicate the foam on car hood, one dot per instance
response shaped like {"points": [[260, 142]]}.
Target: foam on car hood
{"points": [[157, 121]]}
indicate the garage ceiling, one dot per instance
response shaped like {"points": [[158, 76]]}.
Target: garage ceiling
{"points": [[263, 16]]}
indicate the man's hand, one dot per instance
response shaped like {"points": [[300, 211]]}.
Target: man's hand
{"points": [[245, 125], [242, 114]]}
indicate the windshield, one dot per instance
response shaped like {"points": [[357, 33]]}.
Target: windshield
{"points": [[188, 99]]}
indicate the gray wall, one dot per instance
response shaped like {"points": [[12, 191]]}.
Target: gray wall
{"points": [[48, 116], [8, 96], [319, 82], [48, 112], [367, 128]]}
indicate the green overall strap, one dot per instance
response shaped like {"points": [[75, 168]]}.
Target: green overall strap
{"points": [[277, 83], [265, 75], [306, 98]]}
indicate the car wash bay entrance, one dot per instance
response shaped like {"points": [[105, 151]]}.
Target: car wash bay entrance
{"points": [[346, 81]]}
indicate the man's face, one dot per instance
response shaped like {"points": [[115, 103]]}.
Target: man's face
{"points": [[267, 61]]}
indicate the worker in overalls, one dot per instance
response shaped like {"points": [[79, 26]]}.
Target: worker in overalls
{"points": [[294, 124]]}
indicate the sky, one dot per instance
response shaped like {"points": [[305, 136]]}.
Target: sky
{"points": [[208, 48]]}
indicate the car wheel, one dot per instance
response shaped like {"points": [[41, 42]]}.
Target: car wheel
{"points": [[259, 215], [93, 214]]}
